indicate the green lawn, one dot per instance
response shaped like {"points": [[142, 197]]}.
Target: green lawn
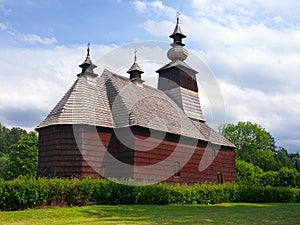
{"points": [[153, 214]]}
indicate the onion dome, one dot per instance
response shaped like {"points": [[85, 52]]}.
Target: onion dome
{"points": [[177, 52]]}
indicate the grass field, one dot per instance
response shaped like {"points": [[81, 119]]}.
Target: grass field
{"points": [[153, 214]]}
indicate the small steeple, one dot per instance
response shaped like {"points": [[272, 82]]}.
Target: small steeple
{"points": [[177, 35], [177, 52], [135, 71], [87, 66]]}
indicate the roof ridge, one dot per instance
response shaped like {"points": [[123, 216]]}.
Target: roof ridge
{"points": [[60, 106], [108, 72]]}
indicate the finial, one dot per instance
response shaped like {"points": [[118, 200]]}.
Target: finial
{"points": [[178, 14], [135, 51], [88, 49]]}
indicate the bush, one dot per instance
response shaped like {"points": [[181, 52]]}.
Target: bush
{"points": [[29, 193], [247, 173], [287, 177], [259, 194], [269, 178], [296, 194]]}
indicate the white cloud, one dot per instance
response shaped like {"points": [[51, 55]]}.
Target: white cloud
{"points": [[253, 49], [154, 8], [140, 6], [289, 9], [278, 112], [35, 80], [159, 29], [3, 26], [254, 55], [33, 39]]}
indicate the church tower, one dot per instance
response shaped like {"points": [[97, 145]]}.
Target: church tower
{"points": [[178, 80]]}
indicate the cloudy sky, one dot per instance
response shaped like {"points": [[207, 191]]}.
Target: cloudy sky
{"points": [[252, 48]]}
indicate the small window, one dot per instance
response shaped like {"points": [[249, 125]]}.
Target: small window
{"points": [[45, 172], [220, 178], [177, 169]]}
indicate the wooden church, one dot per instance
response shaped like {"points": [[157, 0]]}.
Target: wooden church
{"points": [[111, 126]]}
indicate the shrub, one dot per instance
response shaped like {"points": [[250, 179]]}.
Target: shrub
{"points": [[247, 173], [287, 177], [28, 193], [259, 194], [269, 178]]}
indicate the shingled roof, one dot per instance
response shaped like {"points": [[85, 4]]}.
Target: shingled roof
{"points": [[179, 64], [114, 101]]}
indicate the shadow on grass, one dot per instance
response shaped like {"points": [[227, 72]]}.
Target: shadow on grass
{"points": [[197, 214]]}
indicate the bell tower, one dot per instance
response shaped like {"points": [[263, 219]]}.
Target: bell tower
{"points": [[178, 80]]}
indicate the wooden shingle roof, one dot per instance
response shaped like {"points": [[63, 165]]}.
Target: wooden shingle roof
{"points": [[114, 101]]}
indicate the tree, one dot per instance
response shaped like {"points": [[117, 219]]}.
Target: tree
{"points": [[253, 144], [15, 134], [3, 163], [22, 157], [283, 158], [4, 143], [247, 173], [9, 137], [295, 158], [287, 177]]}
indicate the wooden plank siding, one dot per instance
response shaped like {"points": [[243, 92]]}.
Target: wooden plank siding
{"points": [[99, 150]]}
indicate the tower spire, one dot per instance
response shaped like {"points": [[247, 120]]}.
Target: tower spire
{"points": [[177, 52], [135, 71], [177, 35], [87, 66]]}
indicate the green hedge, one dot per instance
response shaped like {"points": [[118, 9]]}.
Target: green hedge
{"points": [[22, 194]]}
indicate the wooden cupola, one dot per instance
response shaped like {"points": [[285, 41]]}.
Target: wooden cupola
{"points": [[177, 35], [87, 66], [135, 72]]}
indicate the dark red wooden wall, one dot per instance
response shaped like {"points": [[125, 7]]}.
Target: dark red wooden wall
{"points": [[67, 150]]}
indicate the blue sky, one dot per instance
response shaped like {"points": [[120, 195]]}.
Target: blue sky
{"points": [[75, 22], [251, 47]]}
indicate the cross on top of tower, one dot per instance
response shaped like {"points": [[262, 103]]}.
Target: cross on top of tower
{"points": [[178, 16], [88, 49], [135, 51]]}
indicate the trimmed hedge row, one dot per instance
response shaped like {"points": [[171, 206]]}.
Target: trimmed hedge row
{"points": [[21, 194]]}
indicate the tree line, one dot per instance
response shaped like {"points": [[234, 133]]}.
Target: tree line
{"points": [[258, 159]]}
